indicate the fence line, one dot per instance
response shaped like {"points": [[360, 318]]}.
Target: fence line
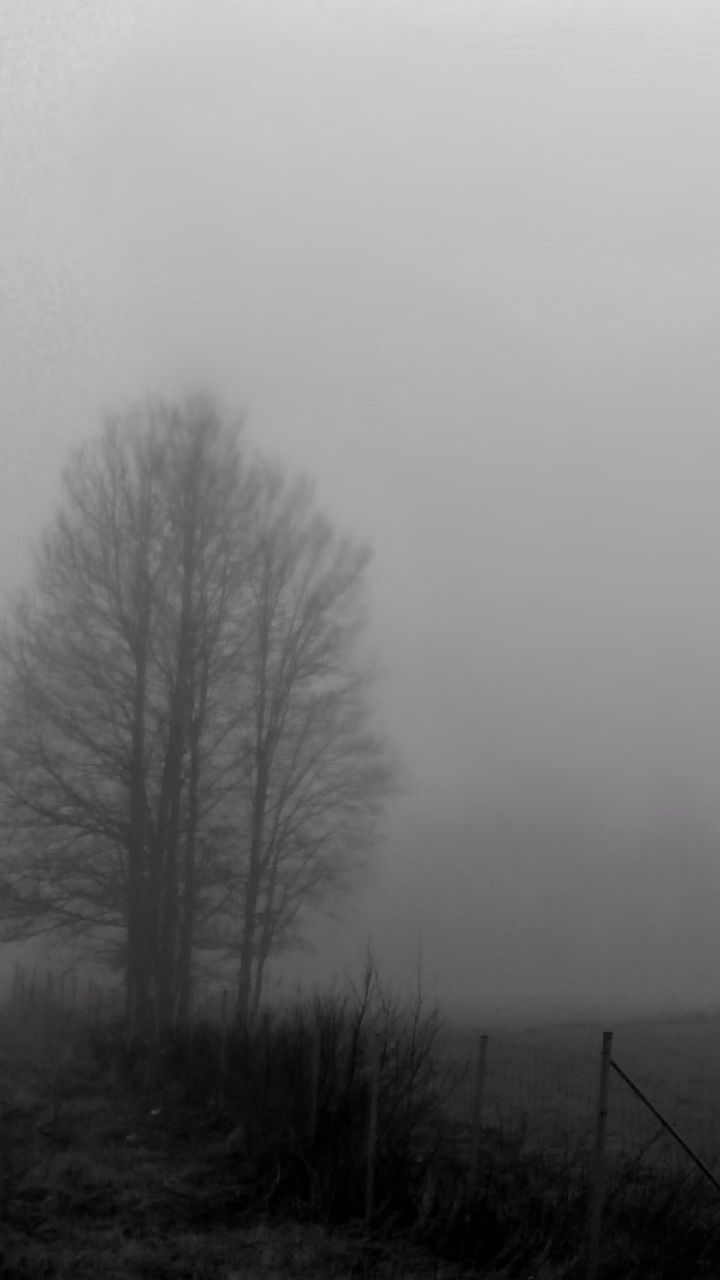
{"points": [[502, 1070], [666, 1124], [541, 1086], [545, 1090]]}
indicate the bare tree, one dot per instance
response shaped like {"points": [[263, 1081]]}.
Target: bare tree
{"points": [[312, 774], [186, 754], [115, 728]]}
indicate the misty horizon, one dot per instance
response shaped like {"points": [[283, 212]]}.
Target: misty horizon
{"points": [[460, 269]]}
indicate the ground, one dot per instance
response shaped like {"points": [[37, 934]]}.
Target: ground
{"points": [[100, 1178], [101, 1181]]}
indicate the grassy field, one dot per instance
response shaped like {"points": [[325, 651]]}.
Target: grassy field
{"points": [[156, 1176], [544, 1080], [101, 1180]]}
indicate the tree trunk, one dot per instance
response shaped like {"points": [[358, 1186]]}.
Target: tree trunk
{"points": [[259, 802], [138, 924], [180, 717], [247, 948], [252, 892], [187, 925]]}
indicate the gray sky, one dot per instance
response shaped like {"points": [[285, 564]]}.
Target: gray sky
{"points": [[460, 262]]}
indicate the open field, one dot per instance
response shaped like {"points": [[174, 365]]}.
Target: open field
{"points": [[544, 1080], [541, 1078], [164, 1169]]}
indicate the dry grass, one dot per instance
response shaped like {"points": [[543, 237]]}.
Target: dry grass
{"points": [[158, 1173], [102, 1180]]}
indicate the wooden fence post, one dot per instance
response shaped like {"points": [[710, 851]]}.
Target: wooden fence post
{"points": [[372, 1126], [478, 1099], [598, 1178]]}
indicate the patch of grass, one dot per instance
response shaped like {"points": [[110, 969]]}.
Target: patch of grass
{"points": [[246, 1156]]}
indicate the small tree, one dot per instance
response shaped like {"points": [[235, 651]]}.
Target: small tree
{"points": [[312, 773]]}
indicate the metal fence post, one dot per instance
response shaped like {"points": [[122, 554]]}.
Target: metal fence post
{"points": [[598, 1179]]}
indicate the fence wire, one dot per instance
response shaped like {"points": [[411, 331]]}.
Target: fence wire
{"points": [[543, 1087], [540, 1085]]}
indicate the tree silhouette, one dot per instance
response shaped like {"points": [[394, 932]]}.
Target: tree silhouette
{"points": [[186, 752]]}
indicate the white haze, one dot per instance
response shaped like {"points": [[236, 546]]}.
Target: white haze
{"points": [[459, 262]]}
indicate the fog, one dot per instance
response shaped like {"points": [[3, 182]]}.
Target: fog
{"points": [[459, 263]]}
